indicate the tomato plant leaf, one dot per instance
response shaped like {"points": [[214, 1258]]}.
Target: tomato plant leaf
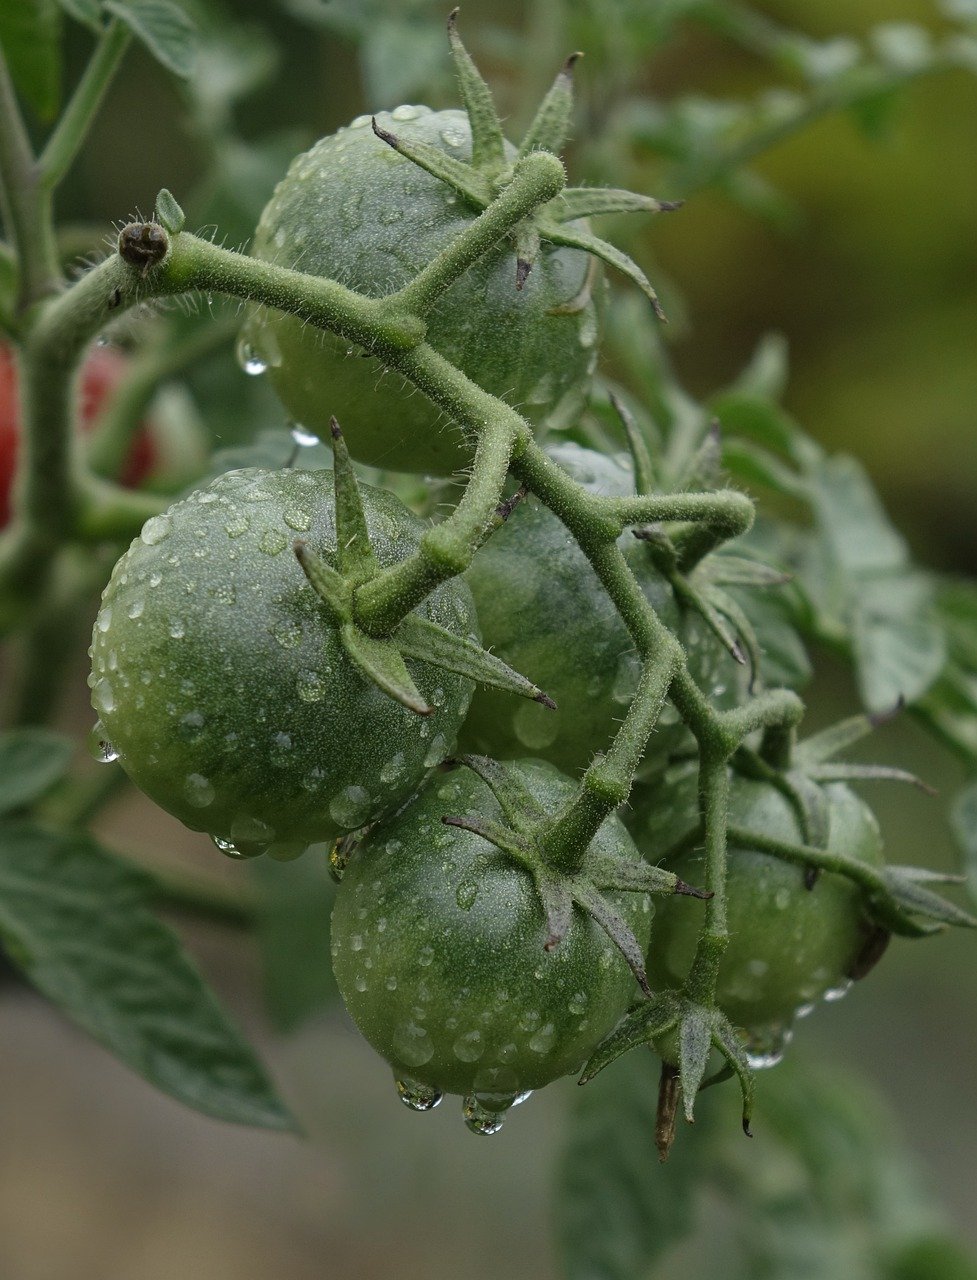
{"points": [[77, 921], [963, 819], [87, 12], [31, 762], [617, 1209], [164, 28], [293, 905], [30, 33]]}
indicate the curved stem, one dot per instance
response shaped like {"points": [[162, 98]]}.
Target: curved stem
{"points": [[71, 130], [714, 807]]}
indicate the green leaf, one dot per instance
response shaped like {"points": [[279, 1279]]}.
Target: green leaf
{"points": [[963, 820], [164, 28], [294, 904], [87, 12], [78, 922], [899, 646], [618, 1211], [30, 33], [31, 762]]}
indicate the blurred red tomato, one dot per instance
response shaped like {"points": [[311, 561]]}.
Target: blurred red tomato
{"points": [[103, 370]]}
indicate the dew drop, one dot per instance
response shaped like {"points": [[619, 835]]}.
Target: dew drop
{"points": [[479, 1119], [303, 437], [229, 848], [542, 1041], [351, 807], [412, 1044], [452, 137], [99, 745], [198, 790], [840, 991], [104, 620], [135, 609], [766, 1047], [393, 769], [468, 1047], [417, 1096], [297, 519], [312, 688], [249, 360], [466, 894], [237, 526], [156, 529], [103, 697], [536, 726], [436, 752], [405, 113], [273, 542]]}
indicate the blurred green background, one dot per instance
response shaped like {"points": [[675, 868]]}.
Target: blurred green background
{"points": [[869, 269]]}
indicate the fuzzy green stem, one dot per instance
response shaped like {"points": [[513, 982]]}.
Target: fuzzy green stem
{"points": [[714, 807], [803, 855], [25, 202], [536, 179], [72, 129], [716, 517]]}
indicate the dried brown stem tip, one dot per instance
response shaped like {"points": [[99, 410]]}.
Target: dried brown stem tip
{"points": [[143, 244]]}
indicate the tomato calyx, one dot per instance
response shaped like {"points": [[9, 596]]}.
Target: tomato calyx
{"points": [[523, 837], [560, 220], [382, 658], [687, 1031]]}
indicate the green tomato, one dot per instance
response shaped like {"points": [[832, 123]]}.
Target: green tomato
{"points": [[357, 211], [789, 946], [438, 949], [543, 610], [221, 682]]}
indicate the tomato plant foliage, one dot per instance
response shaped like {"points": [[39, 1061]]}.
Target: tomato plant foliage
{"points": [[483, 616]]}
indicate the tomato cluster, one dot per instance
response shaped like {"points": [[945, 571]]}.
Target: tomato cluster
{"points": [[229, 692]]}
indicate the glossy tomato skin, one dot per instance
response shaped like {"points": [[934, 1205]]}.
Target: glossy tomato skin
{"points": [[357, 211], [220, 679], [438, 948], [543, 610], [789, 946], [103, 370]]}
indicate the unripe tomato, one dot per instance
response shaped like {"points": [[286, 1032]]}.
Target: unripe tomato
{"points": [[789, 945], [543, 610], [438, 943], [221, 681], [103, 370], [358, 212]]}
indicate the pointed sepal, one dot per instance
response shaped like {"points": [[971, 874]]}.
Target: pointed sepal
{"points": [[488, 143], [587, 896], [868, 773], [329, 585], [642, 1025], [910, 909], [494, 833], [382, 662], [551, 124], [645, 480], [828, 743], [631, 876], [607, 253], [461, 177], [739, 571], [591, 202], [515, 799], [527, 249], [354, 555], [694, 1043], [417, 637]]}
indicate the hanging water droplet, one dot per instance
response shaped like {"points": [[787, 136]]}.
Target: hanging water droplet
{"points": [[417, 1096], [840, 991], [99, 745], [249, 360], [520, 1098], [102, 340], [229, 848], [303, 437], [766, 1047], [479, 1119]]}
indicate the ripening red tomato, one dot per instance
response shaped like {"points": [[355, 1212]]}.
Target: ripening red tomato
{"points": [[103, 370]]}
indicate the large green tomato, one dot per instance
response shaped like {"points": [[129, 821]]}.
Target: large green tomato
{"points": [[789, 946], [357, 211], [221, 682], [438, 948], [543, 610]]}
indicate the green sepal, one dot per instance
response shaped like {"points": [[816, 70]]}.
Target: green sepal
{"points": [[694, 1043], [591, 202], [728, 1043], [557, 899], [551, 124], [354, 555], [830, 742], [527, 249], [416, 637], [738, 571], [607, 253], [515, 800], [608, 872], [461, 177], [329, 585], [381, 662], [495, 833], [867, 773], [589, 897], [906, 899], [642, 1025], [488, 143], [811, 806], [645, 480]]}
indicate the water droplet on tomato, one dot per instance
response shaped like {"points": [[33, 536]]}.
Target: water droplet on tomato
{"points": [[273, 542], [297, 519], [469, 1046], [156, 529], [466, 894], [417, 1096], [405, 113], [412, 1044], [198, 790], [351, 807], [840, 991], [99, 745], [103, 697], [479, 1119], [303, 437]]}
